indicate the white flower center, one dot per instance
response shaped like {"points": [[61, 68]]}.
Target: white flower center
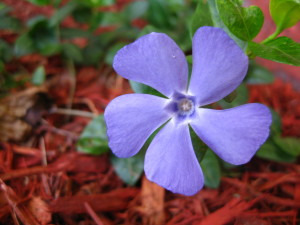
{"points": [[185, 106]]}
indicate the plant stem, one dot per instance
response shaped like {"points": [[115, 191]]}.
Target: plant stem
{"points": [[74, 112], [272, 36]]}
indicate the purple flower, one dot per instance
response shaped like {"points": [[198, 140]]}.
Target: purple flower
{"points": [[219, 66]]}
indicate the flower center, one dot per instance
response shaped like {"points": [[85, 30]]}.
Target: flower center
{"points": [[185, 106]]}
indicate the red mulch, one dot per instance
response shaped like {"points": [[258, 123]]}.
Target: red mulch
{"points": [[43, 180]]}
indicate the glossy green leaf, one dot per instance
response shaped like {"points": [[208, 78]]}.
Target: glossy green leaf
{"points": [[245, 23], [282, 50], [129, 169], [39, 76], [272, 152], [211, 170], [285, 13], [215, 15], [201, 17], [93, 139], [258, 74]]}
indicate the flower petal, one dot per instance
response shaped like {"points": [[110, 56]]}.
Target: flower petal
{"points": [[171, 162], [219, 65], [131, 119], [234, 134], [154, 60]]}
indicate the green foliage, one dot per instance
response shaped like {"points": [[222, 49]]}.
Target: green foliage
{"points": [[8, 22], [93, 139], [112, 52], [282, 49], [285, 13], [245, 23], [208, 161], [270, 151], [211, 169], [129, 169], [217, 21], [62, 13], [277, 148], [201, 17], [6, 52], [72, 52], [23, 45], [40, 2], [143, 89], [258, 74], [39, 76], [238, 97]]}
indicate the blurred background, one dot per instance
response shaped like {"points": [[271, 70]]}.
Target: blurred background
{"points": [[56, 79]]}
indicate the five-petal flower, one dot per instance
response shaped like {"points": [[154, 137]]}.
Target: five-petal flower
{"points": [[219, 66]]}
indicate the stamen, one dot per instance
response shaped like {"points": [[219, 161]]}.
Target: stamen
{"points": [[185, 106]]}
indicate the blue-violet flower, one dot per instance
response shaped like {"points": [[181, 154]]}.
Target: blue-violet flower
{"points": [[219, 66]]}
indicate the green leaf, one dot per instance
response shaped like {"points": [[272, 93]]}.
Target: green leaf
{"points": [[201, 17], [82, 14], [93, 139], [24, 45], [6, 52], [10, 23], [159, 14], [135, 10], [2, 69], [44, 37], [39, 2], [71, 33], [272, 152], [242, 96], [129, 169], [282, 50], [95, 3], [211, 170], [143, 89], [258, 74], [276, 123], [285, 13], [199, 147], [93, 52], [245, 23], [72, 52], [39, 76], [288, 144], [219, 23], [62, 13], [112, 52]]}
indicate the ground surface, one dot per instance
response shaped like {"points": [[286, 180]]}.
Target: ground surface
{"points": [[43, 180]]}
